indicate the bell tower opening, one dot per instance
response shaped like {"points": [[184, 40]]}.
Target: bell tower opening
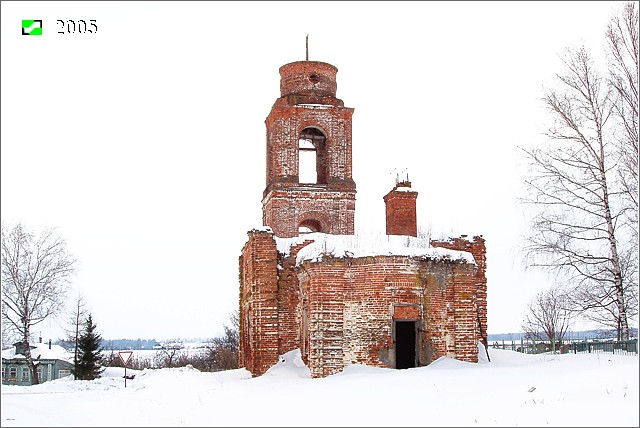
{"points": [[312, 154]]}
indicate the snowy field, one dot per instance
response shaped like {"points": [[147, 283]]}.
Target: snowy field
{"points": [[512, 390], [190, 348]]}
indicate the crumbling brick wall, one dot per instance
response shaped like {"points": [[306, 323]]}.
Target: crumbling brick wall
{"points": [[269, 302], [285, 123], [354, 301], [289, 301], [341, 310], [475, 246], [333, 211], [258, 320]]}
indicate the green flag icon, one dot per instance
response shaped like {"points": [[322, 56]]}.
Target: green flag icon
{"points": [[32, 27]]}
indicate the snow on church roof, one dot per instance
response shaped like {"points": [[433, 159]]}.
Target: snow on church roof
{"points": [[367, 245]]}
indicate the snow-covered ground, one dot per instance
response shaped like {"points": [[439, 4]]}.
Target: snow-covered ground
{"points": [[512, 390]]}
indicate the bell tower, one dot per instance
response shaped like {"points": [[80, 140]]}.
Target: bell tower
{"points": [[310, 186]]}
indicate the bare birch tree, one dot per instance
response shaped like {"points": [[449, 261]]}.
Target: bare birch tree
{"points": [[76, 322], [622, 55], [549, 316], [35, 275], [578, 228]]}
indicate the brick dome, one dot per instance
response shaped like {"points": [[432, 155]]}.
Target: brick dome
{"points": [[313, 78]]}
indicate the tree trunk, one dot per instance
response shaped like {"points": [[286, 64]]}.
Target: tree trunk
{"points": [[75, 353], [30, 364], [623, 325]]}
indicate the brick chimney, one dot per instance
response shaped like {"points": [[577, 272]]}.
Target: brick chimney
{"points": [[400, 205]]}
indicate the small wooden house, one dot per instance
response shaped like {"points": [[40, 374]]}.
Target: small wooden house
{"points": [[51, 361]]}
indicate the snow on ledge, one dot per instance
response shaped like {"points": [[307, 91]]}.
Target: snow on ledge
{"points": [[261, 229], [452, 239], [404, 189], [314, 105]]}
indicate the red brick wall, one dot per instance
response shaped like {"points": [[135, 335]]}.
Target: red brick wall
{"points": [[353, 302], [311, 78], [477, 248], [258, 323], [269, 321], [284, 125], [289, 301], [406, 312], [401, 212], [285, 210]]}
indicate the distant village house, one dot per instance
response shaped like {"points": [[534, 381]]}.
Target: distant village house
{"points": [[51, 361]]}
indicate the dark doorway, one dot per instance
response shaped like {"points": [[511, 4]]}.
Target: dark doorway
{"points": [[405, 344]]}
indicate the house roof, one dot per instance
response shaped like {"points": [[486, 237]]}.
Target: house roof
{"points": [[56, 352]]}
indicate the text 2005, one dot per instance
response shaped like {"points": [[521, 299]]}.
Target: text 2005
{"points": [[79, 26]]}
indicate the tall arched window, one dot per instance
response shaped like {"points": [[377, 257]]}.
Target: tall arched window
{"points": [[311, 159], [307, 168]]}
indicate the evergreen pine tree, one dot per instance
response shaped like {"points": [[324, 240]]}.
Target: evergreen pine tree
{"points": [[89, 352]]}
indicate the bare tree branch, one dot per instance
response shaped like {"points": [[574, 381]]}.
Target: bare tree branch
{"points": [[622, 53]]}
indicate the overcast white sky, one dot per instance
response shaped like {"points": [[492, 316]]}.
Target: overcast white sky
{"points": [[144, 143]]}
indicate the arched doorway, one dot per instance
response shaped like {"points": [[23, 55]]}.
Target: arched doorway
{"points": [[309, 226]]}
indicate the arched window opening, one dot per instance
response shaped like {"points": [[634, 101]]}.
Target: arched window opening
{"points": [[307, 171], [312, 153], [309, 226]]}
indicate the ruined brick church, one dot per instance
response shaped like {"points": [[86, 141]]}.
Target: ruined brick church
{"points": [[308, 282]]}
